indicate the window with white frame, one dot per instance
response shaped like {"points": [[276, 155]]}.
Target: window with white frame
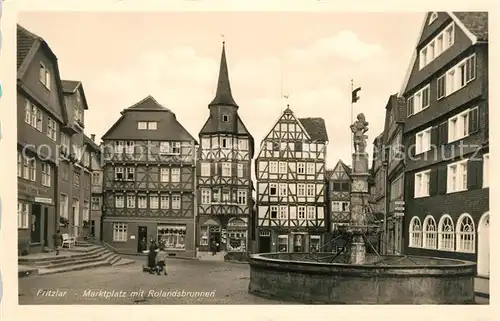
{"points": [[311, 168], [164, 175], [19, 164], [423, 141], [173, 236], [240, 170], [120, 232], [486, 170], [465, 234], [340, 206], [282, 243], [422, 180], [152, 125], [242, 197], [129, 147], [283, 212], [301, 168], [430, 233], [415, 232], [130, 176], [273, 167], [33, 116], [310, 190], [142, 125], [457, 176], [176, 175], [273, 211], [311, 213], [205, 169], [30, 164], [142, 201], [96, 178], [446, 234], [458, 126], [96, 203], [46, 174], [77, 150], [301, 212], [459, 76], [22, 215], [273, 189], [130, 201], [216, 195], [225, 142], [282, 167], [176, 202], [44, 76], [439, 44], [206, 196], [225, 196], [65, 143], [164, 202], [283, 189], [153, 202], [301, 189], [419, 101], [226, 169], [119, 201], [51, 129], [119, 146]]}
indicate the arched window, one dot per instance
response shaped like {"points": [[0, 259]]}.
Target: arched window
{"points": [[446, 234], [465, 234], [415, 232], [430, 233]]}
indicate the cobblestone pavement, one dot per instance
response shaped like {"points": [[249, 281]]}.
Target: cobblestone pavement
{"points": [[211, 282]]}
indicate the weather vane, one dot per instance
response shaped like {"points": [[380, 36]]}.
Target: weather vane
{"points": [[223, 38]]}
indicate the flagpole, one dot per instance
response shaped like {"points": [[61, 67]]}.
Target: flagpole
{"points": [[352, 111]]}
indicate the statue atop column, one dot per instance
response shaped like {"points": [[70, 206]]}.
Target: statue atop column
{"points": [[359, 128]]}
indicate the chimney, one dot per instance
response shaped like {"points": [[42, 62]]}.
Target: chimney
{"points": [[92, 136]]}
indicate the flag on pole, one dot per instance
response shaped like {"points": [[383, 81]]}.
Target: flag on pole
{"points": [[355, 96]]}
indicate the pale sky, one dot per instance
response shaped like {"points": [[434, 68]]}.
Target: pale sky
{"points": [[123, 57]]}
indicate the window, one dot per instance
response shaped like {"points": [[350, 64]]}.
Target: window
{"points": [[46, 174], [486, 170], [422, 183], [118, 147], [430, 233], [176, 202], [423, 141], [274, 211], [77, 150], [96, 203], [397, 188], [283, 212], [77, 114], [164, 202], [460, 75], [119, 232], [142, 125], [419, 101], [273, 167], [301, 189], [22, 215], [226, 169], [130, 174], [130, 201], [282, 167], [415, 233], [225, 118], [273, 189], [96, 178], [63, 206], [242, 197], [204, 235], [44, 76], [314, 245], [441, 87], [19, 164], [437, 45], [33, 116], [301, 168], [240, 170], [152, 125], [283, 243], [457, 177], [446, 234], [51, 129], [31, 169], [129, 147], [176, 175], [142, 201], [170, 148], [86, 214], [164, 175], [242, 144], [465, 234], [174, 236], [340, 206], [458, 125], [225, 143], [310, 190], [301, 212], [205, 169], [433, 17], [153, 202], [283, 189], [225, 196], [311, 213], [86, 158], [310, 168], [119, 201], [205, 196], [216, 196]]}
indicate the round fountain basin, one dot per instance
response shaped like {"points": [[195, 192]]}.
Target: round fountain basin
{"points": [[391, 279]]}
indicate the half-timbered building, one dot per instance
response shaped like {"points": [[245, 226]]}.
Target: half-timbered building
{"points": [[290, 173], [224, 175], [149, 181], [446, 134], [339, 195]]}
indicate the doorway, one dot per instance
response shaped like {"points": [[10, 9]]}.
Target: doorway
{"points": [[36, 226], [265, 242], [483, 252], [46, 227], [142, 238], [92, 228]]}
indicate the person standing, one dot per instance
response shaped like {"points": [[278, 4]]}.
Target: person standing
{"points": [[58, 240], [214, 247]]}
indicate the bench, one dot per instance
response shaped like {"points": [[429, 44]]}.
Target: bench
{"points": [[67, 240]]}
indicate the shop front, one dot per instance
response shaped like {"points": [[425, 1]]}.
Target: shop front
{"points": [[281, 241]]}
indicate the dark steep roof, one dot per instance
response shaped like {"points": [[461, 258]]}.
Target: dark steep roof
{"points": [[25, 41], [475, 22], [328, 174], [223, 95], [70, 86], [148, 109], [315, 127]]}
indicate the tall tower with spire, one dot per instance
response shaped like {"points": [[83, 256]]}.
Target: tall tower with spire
{"points": [[224, 176]]}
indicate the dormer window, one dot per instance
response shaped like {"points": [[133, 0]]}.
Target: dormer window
{"points": [[225, 118], [433, 17], [147, 125], [44, 76], [78, 115]]}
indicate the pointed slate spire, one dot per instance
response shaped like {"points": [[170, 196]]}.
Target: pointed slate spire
{"points": [[223, 95]]}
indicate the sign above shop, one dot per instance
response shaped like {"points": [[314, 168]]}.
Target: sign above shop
{"points": [[43, 200]]}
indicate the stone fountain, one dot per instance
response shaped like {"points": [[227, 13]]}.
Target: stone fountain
{"points": [[355, 276]]}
